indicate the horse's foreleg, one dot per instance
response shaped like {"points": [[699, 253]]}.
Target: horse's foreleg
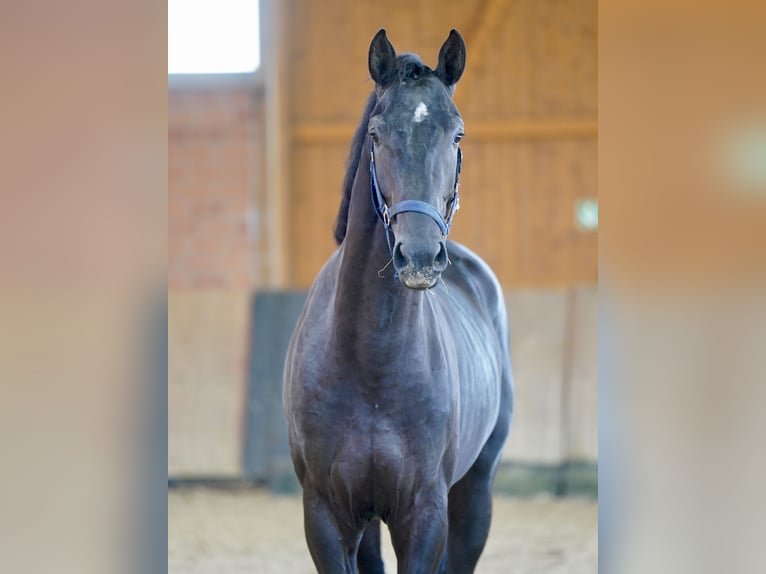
{"points": [[470, 500], [419, 538], [332, 548], [368, 558], [470, 513]]}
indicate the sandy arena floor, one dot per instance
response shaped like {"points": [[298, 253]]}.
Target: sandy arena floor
{"points": [[253, 532]]}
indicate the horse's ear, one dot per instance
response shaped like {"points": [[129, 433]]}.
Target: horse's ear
{"points": [[381, 59], [451, 60]]}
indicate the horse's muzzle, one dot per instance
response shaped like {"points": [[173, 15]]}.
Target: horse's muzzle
{"points": [[420, 268], [424, 279]]}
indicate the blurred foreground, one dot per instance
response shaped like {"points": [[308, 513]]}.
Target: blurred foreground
{"points": [[228, 532]]}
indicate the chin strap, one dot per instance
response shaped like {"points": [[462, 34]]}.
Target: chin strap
{"points": [[386, 214]]}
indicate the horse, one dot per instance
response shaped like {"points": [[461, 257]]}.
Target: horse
{"points": [[398, 392]]}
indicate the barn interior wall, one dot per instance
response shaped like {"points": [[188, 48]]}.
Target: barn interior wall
{"points": [[528, 99]]}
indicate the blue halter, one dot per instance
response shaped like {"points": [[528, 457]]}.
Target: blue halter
{"points": [[386, 214]]}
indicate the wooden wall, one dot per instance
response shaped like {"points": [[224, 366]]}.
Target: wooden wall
{"points": [[528, 99]]}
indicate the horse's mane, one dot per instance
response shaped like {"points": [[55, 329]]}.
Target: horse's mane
{"points": [[409, 67], [352, 165]]}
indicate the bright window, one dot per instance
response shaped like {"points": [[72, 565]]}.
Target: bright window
{"points": [[213, 36]]}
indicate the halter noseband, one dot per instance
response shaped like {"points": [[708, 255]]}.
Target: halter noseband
{"points": [[386, 214]]}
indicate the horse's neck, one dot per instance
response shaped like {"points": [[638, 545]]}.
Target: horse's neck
{"points": [[368, 298]]}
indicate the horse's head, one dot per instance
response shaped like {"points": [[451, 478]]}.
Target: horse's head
{"points": [[414, 131]]}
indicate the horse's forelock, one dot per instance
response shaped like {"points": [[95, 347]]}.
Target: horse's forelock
{"points": [[410, 67]]}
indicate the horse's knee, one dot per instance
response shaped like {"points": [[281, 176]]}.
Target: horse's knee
{"points": [[420, 539], [332, 548]]}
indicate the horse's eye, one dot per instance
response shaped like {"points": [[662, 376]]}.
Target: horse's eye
{"points": [[374, 136], [458, 137]]}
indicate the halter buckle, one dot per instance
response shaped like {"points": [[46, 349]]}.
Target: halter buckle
{"points": [[384, 216], [454, 206]]}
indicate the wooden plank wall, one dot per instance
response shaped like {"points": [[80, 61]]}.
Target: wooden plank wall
{"points": [[528, 99]]}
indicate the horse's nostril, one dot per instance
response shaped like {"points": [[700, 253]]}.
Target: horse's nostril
{"points": [[400, 261], [440, 261]]}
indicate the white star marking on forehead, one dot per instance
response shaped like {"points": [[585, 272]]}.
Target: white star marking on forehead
{"points": [[420, 113]]}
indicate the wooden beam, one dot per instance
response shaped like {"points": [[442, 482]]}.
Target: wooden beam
{"points": [[532, 129], [500, 130], [274, 38]]}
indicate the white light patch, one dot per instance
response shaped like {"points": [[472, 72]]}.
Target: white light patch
{"points": [[420, 113], [743, 158], [213, 36], [586, 214]]}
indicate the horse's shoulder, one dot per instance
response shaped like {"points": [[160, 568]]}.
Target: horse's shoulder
{"points": [[322, 290], [471, 269], [316, 309]]}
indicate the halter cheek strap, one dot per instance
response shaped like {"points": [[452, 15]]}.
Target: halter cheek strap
{"points": [[386, 214]]}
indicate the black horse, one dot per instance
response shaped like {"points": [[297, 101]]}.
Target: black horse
{"points": [[398, 393]]}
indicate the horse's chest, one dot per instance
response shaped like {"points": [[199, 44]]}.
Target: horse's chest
{"points": [[383, 450], [376, 425]]}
